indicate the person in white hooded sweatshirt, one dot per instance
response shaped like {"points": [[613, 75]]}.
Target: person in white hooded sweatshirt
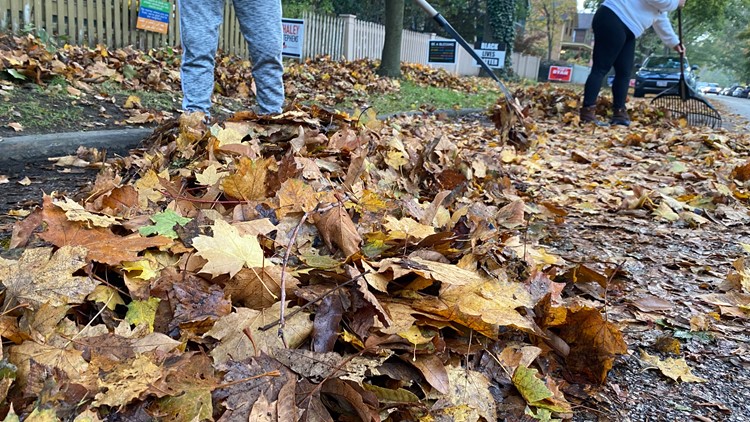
{"points": [[616, 24]]}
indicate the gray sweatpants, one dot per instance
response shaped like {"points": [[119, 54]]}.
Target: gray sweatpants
{"points": [[260, 22]]}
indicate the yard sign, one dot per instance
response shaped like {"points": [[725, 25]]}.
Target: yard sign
{"points": [[560, 73], [154, 16], [294, 37], [441, 52]]}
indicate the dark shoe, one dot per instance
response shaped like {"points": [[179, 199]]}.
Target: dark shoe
{"points": [[620, 116], [588, 115]]}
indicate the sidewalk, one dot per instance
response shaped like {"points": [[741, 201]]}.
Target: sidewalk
{"points": [[25, 148]]}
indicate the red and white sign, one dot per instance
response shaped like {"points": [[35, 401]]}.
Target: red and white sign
{"points": [[560, 73]]}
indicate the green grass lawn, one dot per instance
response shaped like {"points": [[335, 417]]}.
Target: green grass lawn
{"points": [[415, 97]]}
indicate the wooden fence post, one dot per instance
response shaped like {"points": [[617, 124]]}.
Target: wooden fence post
{"points": [[348, 44]]}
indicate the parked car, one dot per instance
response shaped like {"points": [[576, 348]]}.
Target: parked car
{"points": [[659, 73], [738, 91], [729, 90], [710, 88]]}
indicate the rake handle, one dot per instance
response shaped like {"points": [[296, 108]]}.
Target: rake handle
{"points": [[683, 82], [434, 14]]}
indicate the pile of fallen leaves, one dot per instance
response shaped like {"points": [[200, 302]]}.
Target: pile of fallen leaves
{"points": [[307, 267], [425, 75], [321, 80], [328, 81], [548, 101]]}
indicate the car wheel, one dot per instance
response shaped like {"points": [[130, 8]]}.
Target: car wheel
{"points": [[639, 93]]}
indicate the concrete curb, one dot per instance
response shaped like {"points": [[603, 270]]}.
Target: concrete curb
{"points": [[19, 149]]}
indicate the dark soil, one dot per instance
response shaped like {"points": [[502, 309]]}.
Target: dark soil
{"points": [[52, 109], [42, 111]]}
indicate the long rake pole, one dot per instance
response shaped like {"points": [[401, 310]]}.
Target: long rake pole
{"points": [[434, 14]]}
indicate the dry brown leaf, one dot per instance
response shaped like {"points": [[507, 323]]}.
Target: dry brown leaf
{"points": [[126, 381], [40, 276], [248, 181], [258, 288], [364, 406], [594, 343], [235, 344], [434, 372], [512, 215], [338, 229], [63, 357], [468, 389]]}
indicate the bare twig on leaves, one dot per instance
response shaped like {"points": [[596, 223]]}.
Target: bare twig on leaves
{"points": [[285, 262]]}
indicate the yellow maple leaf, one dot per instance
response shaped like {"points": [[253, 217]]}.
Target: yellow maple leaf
{"points": [[106, 295], [406, 228], [148, 187], [227, 252], [295, 196], [677, 369], [210, 175], [482, 306], [75, 212], [143, 312]]}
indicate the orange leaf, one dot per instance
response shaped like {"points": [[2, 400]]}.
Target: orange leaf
{"points": [[248, 182], [102, 245]]}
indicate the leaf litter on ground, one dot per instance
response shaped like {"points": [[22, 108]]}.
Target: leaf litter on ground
{"points": [[405, 255]]}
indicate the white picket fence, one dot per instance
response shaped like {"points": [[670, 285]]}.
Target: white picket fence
{"points": [[113, 23], [346, 37]]}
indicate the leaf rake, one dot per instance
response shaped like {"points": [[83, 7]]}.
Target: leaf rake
{"points": [[681, 101]]}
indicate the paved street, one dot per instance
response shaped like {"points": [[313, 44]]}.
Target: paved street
{"points": [[738, 108]]}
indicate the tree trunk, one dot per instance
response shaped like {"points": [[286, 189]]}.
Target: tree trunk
{"points": [[390, 65]]}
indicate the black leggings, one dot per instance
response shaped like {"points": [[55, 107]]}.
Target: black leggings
{"points": [[614, 45]]}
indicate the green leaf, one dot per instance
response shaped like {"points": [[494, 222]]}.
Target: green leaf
{"points": [[531, 388], [16, 74], [143, 312], [164, 223], [129, 72]]}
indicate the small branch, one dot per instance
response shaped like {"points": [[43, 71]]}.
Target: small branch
{"points": [[284, 264], [606, 288], [249, 335], [314, 301]]}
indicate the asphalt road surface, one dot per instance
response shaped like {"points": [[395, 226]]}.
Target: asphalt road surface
{"points": [[735, 111]]}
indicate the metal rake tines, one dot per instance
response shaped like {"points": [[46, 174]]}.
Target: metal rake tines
{"points": [[694, 110]]}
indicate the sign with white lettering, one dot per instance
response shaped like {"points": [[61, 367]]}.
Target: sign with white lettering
{"points": [[441, 52], [294, 37], [560, 73], [492, 53], [153, 15]]}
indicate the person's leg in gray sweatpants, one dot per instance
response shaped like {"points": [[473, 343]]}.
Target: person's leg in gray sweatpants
{"points": [[199, 34], [260, 22]]}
